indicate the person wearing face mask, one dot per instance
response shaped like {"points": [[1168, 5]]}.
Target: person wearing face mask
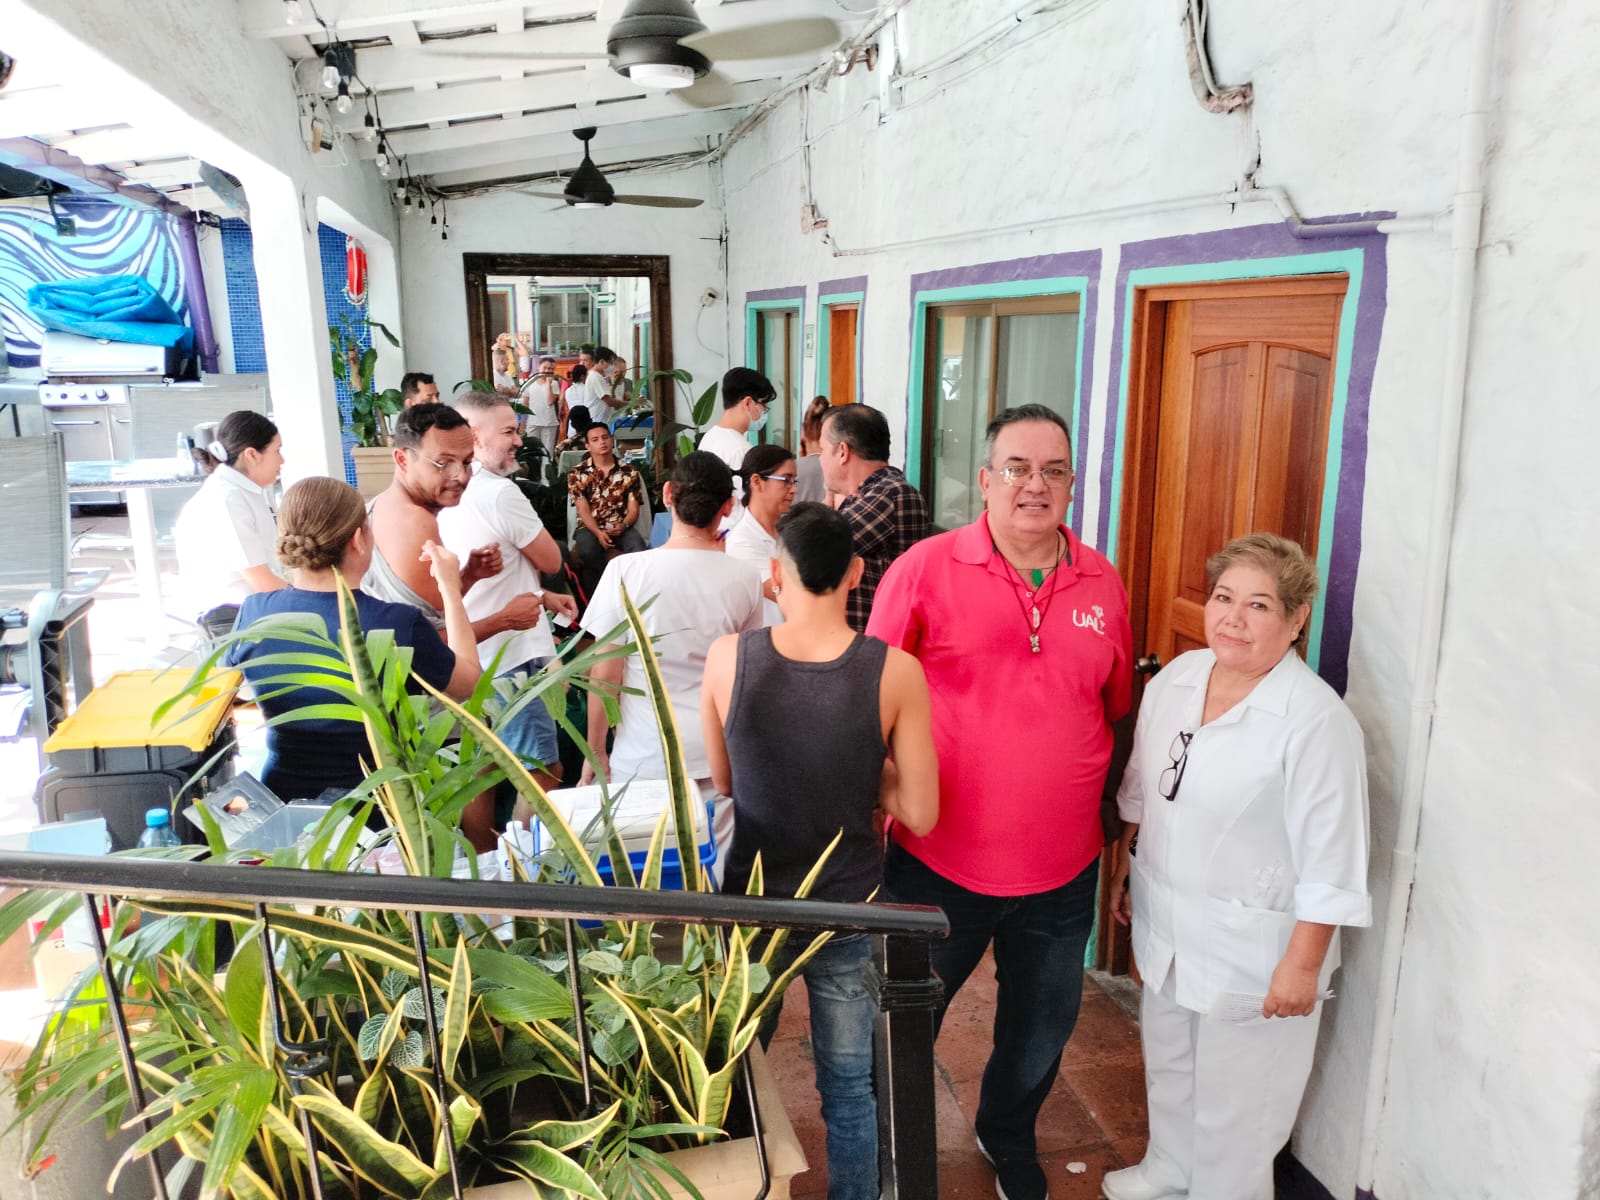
{"points": [[224, 535], [745, 396]]}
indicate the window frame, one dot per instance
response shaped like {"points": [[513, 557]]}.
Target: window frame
{"points": [[792, 309], [1017, 298]]}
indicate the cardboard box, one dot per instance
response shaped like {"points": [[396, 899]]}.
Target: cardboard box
{"points": [[69, 949]]}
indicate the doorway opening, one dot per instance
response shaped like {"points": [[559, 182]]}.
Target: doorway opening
{"points": [[1230, 399]]}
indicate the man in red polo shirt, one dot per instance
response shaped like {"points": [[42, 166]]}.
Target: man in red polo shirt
{"points": [[1023, 634]]}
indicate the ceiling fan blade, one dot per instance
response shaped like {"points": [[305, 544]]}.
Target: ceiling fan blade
{"points": [[712, 90], [547, 195], [775, 39], [659, 201]]}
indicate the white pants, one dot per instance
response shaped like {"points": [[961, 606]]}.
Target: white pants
{"points": [[547, 435], [1223, 1098]]}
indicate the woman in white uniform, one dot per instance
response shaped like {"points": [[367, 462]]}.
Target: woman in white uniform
{"points": [[768, 474], [225, 534], [1246, 848]]}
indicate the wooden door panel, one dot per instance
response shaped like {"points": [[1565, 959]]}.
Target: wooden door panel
{"points": [[1293, 444], [1305, 322], [842, 354]]}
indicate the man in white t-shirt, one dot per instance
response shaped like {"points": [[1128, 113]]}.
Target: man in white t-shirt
{"points": [[542, 397], [596, 388], [745, 396], [494, 510], [699, 595]]}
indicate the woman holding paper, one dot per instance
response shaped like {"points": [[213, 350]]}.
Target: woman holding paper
{"points": [[1246, 848]]}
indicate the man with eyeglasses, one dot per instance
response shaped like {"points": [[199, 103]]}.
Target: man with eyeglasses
{"points": [[745, 397], [1024, 635], [887, 515]]}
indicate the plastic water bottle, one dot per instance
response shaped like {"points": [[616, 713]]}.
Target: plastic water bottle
{"points": [[158, 830], [185, 455]]}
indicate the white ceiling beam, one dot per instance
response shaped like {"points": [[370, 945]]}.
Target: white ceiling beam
{"points": [[359, 18], [653, 107], [468, 100], [560, 151], [164, 174], [120, 145], [44, 110], [386, 68]]}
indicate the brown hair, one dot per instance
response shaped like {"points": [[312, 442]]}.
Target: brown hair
{"points": [[1292, 571], [316, 521], [811, 423], [235, 433]]}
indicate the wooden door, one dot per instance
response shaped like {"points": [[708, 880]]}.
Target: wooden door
{"points": [[1230, 394], [842, 353], [1242, 435]]}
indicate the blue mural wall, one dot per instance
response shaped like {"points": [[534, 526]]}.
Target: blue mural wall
{"points": [[111, 238], [244, 306]]}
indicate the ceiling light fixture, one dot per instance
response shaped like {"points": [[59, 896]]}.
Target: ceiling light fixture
{"points": [[645, 44], [330, 71]]}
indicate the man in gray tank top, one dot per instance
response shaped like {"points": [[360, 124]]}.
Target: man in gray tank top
{"points": [[772, 700]]}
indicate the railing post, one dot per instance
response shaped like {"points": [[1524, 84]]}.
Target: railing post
{"points": [[907, 995]]}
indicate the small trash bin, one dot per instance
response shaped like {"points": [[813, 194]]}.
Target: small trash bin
{"points": [[108, 758]]}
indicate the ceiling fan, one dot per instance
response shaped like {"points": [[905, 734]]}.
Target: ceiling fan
{"points": [[588, 188], [664, 44]]}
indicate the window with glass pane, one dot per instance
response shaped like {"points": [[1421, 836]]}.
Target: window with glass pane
{"points": [[777, 357], [982, 357]]}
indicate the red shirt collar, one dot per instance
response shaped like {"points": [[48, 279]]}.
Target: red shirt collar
{"points": [[975, 545]]}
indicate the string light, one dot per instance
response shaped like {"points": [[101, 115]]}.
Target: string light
{"points": [[369, 127], [292, 12], [343, 103], [331, 77]]}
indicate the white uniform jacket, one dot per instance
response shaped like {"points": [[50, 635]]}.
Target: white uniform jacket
{"points": [[1269, 827], [225, 528]]}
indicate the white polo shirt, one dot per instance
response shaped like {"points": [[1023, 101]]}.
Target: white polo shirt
{"points": [[226, 528], [493, 509]]}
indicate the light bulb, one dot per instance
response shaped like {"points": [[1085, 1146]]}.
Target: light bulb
{"points": [[369, 128], [343, 103], [434, 219], [330, 73], [408, 201], [291, 12], [383, 163], [661, 75], [444, 234]]}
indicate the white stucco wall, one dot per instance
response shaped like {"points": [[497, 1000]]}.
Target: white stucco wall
{"points": [[1494, 1077], [433, 278]]}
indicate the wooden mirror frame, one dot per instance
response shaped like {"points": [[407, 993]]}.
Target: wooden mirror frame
{"points": [[476, 268]]}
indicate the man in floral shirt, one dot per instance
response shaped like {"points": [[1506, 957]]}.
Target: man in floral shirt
{"points": [[605, 493]]}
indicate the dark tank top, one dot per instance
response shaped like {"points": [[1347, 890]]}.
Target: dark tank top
{"points": [[806, 744]]}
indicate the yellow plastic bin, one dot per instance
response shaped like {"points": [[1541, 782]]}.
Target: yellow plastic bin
{"points": [[110, 758]]}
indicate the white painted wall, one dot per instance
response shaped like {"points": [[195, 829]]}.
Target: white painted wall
{"points": [[1495, 1078], [432, 276]]}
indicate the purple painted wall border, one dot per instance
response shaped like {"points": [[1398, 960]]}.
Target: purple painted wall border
{"points": [[783, 293], [1275, 241], [834, 287], [1043, 266]]}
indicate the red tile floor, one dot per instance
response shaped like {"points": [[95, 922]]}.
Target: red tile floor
{"points": [[1095, 1114]]}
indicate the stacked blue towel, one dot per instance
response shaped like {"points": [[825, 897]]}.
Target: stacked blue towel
{"points": [[119, 308]]}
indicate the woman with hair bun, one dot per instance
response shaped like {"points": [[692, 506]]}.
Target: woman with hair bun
{"points": [[224, 534], [808, 472], [323, 533]]}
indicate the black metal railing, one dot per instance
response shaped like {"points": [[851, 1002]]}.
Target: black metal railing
{"points": [[901, 980]]}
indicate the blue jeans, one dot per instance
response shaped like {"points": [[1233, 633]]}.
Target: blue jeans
{"points": [[842, 1018], [531, 733], [1039, 943]]}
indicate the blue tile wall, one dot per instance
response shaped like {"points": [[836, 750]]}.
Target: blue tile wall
{"points": [[244, 307]]}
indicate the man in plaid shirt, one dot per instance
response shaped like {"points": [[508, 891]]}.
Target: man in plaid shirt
{"points": [[886, 514]]}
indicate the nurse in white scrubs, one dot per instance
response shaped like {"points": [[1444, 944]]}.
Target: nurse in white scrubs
{"points": [[768, 473], [1245, 850], [226, 532]]}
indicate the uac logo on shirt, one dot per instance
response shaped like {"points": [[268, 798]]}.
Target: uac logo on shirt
{"points": [[1094, 619]]}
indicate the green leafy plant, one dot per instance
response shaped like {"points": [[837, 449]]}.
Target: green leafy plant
{"points": [[353, 365], [666, 1031], [699, 409]]}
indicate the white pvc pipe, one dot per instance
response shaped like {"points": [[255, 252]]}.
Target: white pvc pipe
{"points": [[1466, 232]]}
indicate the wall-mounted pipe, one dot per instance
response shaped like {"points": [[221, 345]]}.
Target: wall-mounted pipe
{"points": [[1466, 233], [1301, 228], [1202, 78]]}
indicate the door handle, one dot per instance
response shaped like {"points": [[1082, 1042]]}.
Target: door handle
{"points": [[1149, 664], [72, 424]]}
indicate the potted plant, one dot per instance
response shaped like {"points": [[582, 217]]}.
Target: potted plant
{"points": [[370, 409], [667, 1032]]}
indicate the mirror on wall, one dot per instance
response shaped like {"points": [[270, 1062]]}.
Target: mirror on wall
{"points": [[524, 308]]}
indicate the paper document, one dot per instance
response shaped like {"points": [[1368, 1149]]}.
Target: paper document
{"points": [[1235, 1008]]}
